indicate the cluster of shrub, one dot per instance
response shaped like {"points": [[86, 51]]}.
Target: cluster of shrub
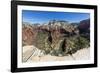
{"points": [[71, 45], [67, 46]]}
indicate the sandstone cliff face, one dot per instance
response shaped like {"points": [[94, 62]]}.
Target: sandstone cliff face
{"points": [[28, 35], [84, 26], [55, 37]]}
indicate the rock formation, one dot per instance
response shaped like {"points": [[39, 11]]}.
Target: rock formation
{"points": [[57, 37]]}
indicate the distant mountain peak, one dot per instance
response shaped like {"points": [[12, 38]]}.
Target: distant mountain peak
{"points": [[57, 22]]}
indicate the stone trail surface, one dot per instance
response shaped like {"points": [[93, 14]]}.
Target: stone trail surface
{"points": [[33, 54]]}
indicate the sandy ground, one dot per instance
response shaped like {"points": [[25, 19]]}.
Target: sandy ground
{"points": [[30, 56]]}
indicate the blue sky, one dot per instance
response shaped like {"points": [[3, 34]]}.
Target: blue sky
{"points": [[31, 16]]}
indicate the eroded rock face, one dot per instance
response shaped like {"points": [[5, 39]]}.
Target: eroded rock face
{"points": [[28, 35], [84, 26], [52, 34], [48, 37], [57, 31]]}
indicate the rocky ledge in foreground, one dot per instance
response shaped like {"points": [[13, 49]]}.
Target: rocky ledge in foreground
{"points": [[33, 54]]}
